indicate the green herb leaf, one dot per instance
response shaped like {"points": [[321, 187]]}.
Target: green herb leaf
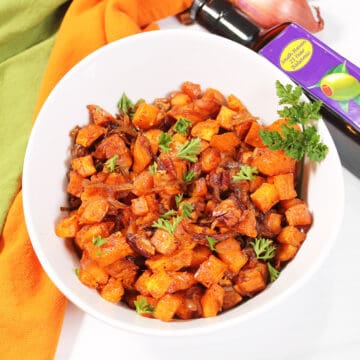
{"points": [[98, 253], [190, 150], [110, 165], [189, 176], [77, 271], [153, 168], [142, 306], [99, 241], [212, 242], [246, 172], [186, 210], [169, 214], [178, 199], [182, 126], [167, 225], [164, 142], [263, 248], [125, 105], [274, 274]]}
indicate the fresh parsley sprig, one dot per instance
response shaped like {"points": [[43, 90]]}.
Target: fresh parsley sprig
{"points": [[168, 225], [178, 199], [182, 126], [189, 176], [110, 165], [186, 210], [264, 248], [169, 214], [98, 241], [143, 307], [246, 172], [274, 274], [164, 142], [125, 105], [212, 242], [190, 150], [153, 168]]}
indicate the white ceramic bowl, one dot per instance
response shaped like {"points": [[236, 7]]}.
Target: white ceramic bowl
{"points": [[147, 66]]}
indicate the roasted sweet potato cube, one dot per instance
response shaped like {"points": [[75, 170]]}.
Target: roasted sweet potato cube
{"points": [[142, 281], [181, 280], [209, 103], [286, 252], [153, 137], [124, 270], [286, 204], [205, 129], [75, 186], [112, 291], [230, 253], [146, 116], [139, 206], [141, 244], [243, 127], [234, 103], [199, 188], [256, 183], [298, 215], [191, 89], [247, 223], [200, 254], [271, 163], [291, 235], [88, 232], [178, 260], [94, 210], [142, 183], [167, 306], [226, 142], [231, 298], [284, 184], [164, 242], [91, 274], [99, 116], [179, 99], [84, 165], [250, 282], [150, 303], [210, 159], [158, 284], [88, 134], [265, 197], [212, 301], [114, 249], [115, 178], [210, 271], [68, 226], [273, 222], [141, 153], [225, 118], [252, 137]]}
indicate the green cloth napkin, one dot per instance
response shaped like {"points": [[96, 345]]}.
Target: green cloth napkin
{"points": [[27, 32]]}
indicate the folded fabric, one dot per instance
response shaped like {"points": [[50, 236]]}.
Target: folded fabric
{"points": [[31, 308]]}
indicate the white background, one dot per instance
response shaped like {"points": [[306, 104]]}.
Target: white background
{"points": [[321, 321]]}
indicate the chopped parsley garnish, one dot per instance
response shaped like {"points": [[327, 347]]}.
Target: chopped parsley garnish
{"points": [[77, 271], [169, 214], [246, 172], [264, 248], [99, 241], [178, 199], [125, 105], [189, 176], [190, 150], [153, 168], [110, 165], [142, 306], [212, 242], [186, 210], [167, 225], [182, 126], [164, 142], [274, 274]]}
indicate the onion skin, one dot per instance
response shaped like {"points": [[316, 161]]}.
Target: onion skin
{"points": [[269, 13]]}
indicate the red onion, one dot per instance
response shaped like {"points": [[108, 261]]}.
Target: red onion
{"points": [[268, 13]]}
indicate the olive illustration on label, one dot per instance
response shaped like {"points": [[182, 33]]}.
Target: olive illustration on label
{"points": [[337, 84]]}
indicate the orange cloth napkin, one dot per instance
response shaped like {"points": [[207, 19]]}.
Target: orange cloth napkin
{"points": [[31, 308]]}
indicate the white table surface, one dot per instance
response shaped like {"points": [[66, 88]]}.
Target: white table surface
{"points": [[319, 321]]}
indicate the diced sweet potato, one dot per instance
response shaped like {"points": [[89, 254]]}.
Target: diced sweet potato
{"points": [[226, 142], [210, 271], [252, 137], [225, 118], [142, 281], [142, 183], [256, 183], [91, 274], [158, 284], [272, 163], [115, 178], [284, 184], [124, 270], [247, 224], [298, 215], [273, 222], [179, 99], [200, 254], [209, 103], [84, 165], [114, 249], [153, 137], [212, 301], [164, 242], [199, 188], [75, 186], [113, 290], [205, 129], [141, 244], [250, 282], [88, 232], [68, 226], [265, 197], [191, 89], [286, 204], [234, 103], [139, 206], [167, 306], [146, 116], [291, 235], [231, 298], [141, 153], [174, 262], [99, 116], [181, 280], [286, 252], [243, 127], [88, 134], [94, 210], [210, 159], [230, 253]]}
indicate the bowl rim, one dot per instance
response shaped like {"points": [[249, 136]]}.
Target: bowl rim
{"points": [[74, 298]]}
